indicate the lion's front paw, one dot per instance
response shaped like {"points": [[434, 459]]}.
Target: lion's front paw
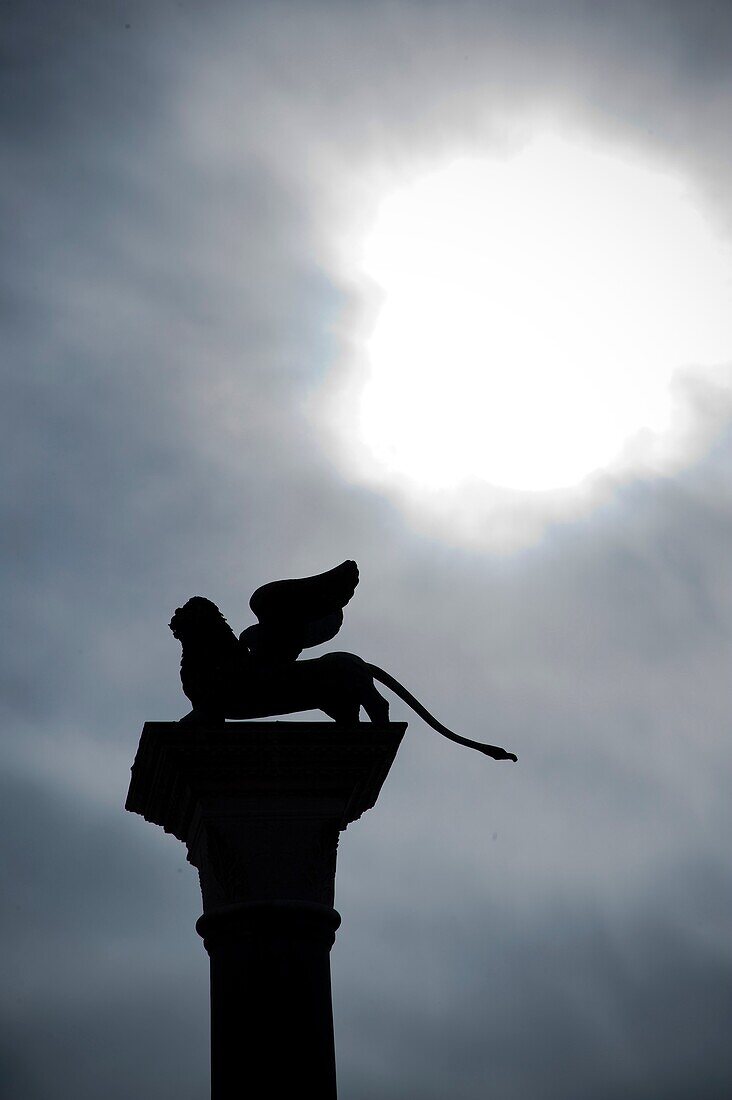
{"points": [[201, 718]]}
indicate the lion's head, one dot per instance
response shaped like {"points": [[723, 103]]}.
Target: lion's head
{"points": [[200, 620]]}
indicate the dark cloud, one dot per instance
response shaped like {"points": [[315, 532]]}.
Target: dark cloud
{"points": [[171, 311]]}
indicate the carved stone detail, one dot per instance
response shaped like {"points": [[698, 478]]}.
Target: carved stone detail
{"points": [[275, 858], [260, 805]]}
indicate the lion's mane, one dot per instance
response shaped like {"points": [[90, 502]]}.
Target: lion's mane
{"points": [[199, 620], [213, 658]]}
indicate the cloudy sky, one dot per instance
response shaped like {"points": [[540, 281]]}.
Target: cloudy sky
{"points": [[188, 326]]}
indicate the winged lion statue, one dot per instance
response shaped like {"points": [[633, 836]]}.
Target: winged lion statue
{"points": [[258, 674]]}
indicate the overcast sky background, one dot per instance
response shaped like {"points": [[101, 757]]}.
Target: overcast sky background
{"points": [[175, 176]]}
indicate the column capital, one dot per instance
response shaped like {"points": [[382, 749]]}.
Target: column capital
{"points": [[259, 805]]}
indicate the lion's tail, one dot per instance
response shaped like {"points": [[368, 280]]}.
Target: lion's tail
{"points": [[407, 697]]}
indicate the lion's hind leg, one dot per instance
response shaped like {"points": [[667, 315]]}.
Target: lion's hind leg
{"points": [[343, 713], [375, 705]]}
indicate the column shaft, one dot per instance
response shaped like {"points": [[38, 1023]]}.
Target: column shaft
{"points": [[271, 1010]]}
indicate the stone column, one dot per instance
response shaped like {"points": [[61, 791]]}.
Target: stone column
{"points": [[260, 806]]}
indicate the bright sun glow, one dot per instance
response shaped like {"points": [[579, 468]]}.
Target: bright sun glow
{"points": [[534, 312]]}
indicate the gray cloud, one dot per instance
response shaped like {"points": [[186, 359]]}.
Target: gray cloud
{"points": [[170, 312]]}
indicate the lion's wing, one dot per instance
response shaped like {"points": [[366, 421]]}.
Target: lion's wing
{"points": [[296, 614]]}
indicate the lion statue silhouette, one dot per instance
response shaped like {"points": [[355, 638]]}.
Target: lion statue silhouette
{"points": [[258, 674]]}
